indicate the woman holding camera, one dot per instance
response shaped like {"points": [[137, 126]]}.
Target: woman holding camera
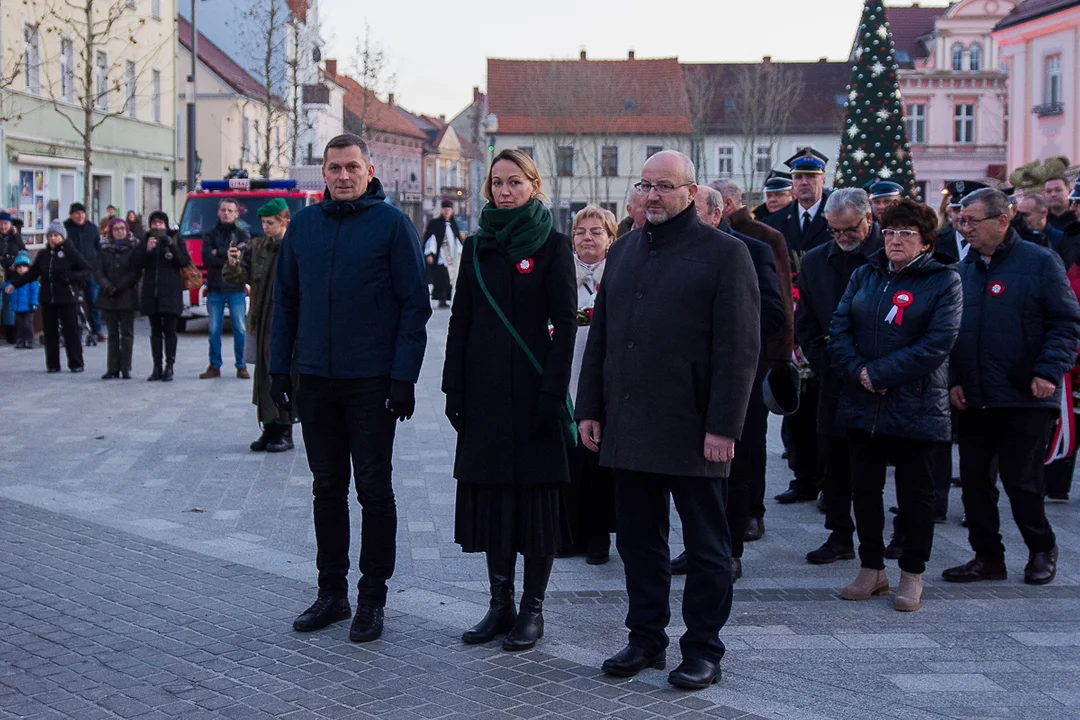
{"points": [[163, 291]]}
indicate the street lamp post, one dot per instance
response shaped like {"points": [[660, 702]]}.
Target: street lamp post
{"points": [[192, 169]]}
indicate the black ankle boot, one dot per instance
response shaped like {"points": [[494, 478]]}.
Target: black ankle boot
{"points": [[167, 375], [529, 625], [156, 375], [264, 439], [501, 614], [280, 438]]}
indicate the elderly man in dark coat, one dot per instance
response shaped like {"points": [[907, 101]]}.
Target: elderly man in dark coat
{"points": [[1018, 337], [665, 381]]}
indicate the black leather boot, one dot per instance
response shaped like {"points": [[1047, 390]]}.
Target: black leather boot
{"points": [[167, 375], [501, 613], [264, 439], [529, 625], [280, 438]]}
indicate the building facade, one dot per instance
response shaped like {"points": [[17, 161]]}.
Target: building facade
{"points": [[955, 91], [43, 110], [1040, 42]]}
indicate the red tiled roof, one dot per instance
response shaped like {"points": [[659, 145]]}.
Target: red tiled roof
{"points": [[817, 111], [1033, 9], [299, 9], [908, 23], [614, 96], [380, 116], [221, 64]]}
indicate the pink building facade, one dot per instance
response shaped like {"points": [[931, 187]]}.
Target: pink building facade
{"points": [[954, 90], [1040, 42]]}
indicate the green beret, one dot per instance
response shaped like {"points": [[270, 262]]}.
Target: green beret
{"points": [[275, 206]]}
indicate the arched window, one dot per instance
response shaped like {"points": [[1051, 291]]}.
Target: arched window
{"points": [[976, 57], [957, 57]]}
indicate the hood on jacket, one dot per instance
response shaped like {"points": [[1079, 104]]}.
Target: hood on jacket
{"points": [[374, 194]]}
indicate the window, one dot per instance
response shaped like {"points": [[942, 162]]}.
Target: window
{"points": [[32, 58], [565, 161], [762, 159], [245, 140], [131, 3], [528, 150], [129, 89], [915, 120], [976, 57], [726, 161], [609, 161], [1053, 79], [155, 96], [102, 81], [155, 9], [67, 70], [651, 150], [964, 123], [957, 57]]}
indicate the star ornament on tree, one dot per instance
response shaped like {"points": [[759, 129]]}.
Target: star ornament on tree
{"points": [[852, 131], [883, 115], [859, 155], [885, 173], [882, 32], [877, 68], [852, 95]]}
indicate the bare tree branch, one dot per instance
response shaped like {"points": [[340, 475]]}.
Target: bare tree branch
{"points": [[765, 97]]}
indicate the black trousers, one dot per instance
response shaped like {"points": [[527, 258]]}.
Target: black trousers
{"points": [[837, 488], [55, 317], [746, 485], [439, 277], [348, 432], [806, 460], [121, 325], [642, 507], [24, 324], [589, 501], [1017, 438], [914, 494], [1059, 475], [942, 477], [163, 330]]}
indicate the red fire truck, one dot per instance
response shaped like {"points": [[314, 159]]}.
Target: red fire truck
{"points": [[200, 214]]}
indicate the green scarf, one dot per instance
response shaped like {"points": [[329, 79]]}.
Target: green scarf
{"points": [[521, 230]]}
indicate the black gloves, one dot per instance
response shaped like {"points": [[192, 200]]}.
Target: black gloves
{"points": [[281, 391], [455, 410], [402, 400], [546, 415]]}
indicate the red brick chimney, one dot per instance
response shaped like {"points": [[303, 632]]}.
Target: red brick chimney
{"points": [[767, 60], [331, 67], [390, 99], [476, 94], [583, 55], [630, 55]]}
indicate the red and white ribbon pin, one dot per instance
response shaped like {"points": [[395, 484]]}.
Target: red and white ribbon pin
{"points": [[900, 300]]}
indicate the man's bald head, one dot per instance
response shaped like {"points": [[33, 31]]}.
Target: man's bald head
{"points": [[667, 169]]}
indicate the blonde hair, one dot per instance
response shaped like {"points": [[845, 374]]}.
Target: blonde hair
{"points": [[528, 168], [592, 212]]}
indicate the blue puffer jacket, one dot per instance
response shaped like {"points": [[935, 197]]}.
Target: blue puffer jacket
{"points": [[351, 294], [24, 299], [907, 358], [1021, 320]]}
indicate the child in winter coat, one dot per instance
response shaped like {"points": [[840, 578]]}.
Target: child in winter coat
{"points": [[24, 303]]}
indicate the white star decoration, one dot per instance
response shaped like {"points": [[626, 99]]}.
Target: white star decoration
{"points": [[882, 115], [852, 131], [885, 173], [877, 68], [882, 32], [858, 53], [859, 155], [852, 95]]}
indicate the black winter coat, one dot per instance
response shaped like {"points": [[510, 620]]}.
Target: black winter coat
{"points": [[673, 348], [773, 318], [907, 358], [162, 286], [497, 443], [84, 238], [1021, 320], [945, 245], [62, 272], [10, 245], [215, 250], [788, 220], [825, 273], [117, 271]]}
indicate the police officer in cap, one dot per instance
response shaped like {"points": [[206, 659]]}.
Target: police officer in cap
{"points": [[883, 194], [949, 241], [777, 194]]}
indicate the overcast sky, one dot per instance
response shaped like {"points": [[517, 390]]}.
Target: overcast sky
{"points": [[438, 50]]}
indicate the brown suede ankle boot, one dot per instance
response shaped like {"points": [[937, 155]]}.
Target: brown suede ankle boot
{"points": [[908, 595], [869, 582]]}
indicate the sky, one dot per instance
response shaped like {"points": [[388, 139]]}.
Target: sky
{"points": [[438, 51]]}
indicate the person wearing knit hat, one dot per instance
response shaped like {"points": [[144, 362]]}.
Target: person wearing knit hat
{"points": [[117, 271], [23, 304], [10, 246], [255, 266], [83, 235], [62, 271]]}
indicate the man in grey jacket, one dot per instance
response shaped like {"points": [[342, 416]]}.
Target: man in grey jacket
{"points": [[665, 383]]}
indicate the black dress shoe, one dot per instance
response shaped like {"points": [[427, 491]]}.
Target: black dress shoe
{"points": [[1041, 567], [598, 558], [125, 374], [367, 623], [736, 566], [1059, 496], [53, 370], [110, 375], [694, 674], [77, 369], [940, 518], [830, 552], [821, 502], [631, 660], [755, 528], [679, 563], [955, 482], [895, 548], [975, 571], [326, 610], [791, 495]]}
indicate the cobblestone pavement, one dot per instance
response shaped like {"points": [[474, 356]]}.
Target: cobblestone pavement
{"points": [[151, 567]]}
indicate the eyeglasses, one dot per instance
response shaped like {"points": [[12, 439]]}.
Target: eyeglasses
{"points": [[962, 221], [595, 232], [848, 231], [661, 189], [900, 234]]}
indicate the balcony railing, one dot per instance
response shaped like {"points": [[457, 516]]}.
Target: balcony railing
{"points": [[1049, 109]]}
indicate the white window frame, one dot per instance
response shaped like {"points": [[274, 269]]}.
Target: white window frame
{"points": [[130, 89], [67, 70], [762, 159], [725, 156], [915, 119], [964, 123], [32, 58], [130, 203], [1053, 79], [155, 9], [603, 165], [651, 150], [975, 57], [245, 140], [155, 96], [560, 153], [141, 209], [101, 81], [957, 57]]}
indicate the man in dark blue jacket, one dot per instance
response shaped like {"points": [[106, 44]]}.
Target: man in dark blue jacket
{"points": [[350, 309], [1019, 336], [84, 237]]}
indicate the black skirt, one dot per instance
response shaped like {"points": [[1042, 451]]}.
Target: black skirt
{"points": [[529, 520]]}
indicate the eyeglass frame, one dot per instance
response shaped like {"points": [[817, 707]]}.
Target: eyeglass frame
{"points": [[641, 188], [901, 233], [848, 231], [962, 221]]}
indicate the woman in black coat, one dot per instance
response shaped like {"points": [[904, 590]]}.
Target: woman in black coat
{"points": [[511, 464], [890, 340], [62, 271], [163, 256], [117, 269]]}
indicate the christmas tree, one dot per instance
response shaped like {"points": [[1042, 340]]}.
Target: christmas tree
{"points": [[874, 145]]}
